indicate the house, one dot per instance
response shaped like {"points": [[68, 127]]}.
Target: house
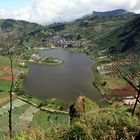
{"points": [[129, 100], [35, 57]]}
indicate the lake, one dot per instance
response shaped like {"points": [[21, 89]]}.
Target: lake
{"points": [[64, 81]]}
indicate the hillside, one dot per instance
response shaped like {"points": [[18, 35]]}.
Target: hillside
{"points": [[111, 32], [124, 39], [89, 31], [113, 122], [22, 35], [16, 29], [118, 12], [113, 13], [22, 26], [93, 30]]}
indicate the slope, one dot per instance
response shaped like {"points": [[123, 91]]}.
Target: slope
{"points": [[124, 39]]}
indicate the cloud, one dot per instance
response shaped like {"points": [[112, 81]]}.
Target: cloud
{"points": [[49, 11]]}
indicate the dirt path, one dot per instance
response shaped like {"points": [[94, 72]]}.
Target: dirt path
{"points": [[25, 119]]}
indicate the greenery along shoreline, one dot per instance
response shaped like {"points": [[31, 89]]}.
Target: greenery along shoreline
{"points": [[35, 58], [109, 41]]}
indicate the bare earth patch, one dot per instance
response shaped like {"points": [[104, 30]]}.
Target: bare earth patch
{"points": [[127, 90], [5, 73]]}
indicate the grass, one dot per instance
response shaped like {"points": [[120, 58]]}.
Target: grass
{"points": [[115, 83], [45, 120], [5, 70], [107, 84], [19, 110], [15, 115], [4, 88], [4, 61], [48, 61], [112, 122], [27, 54], [75, 49], [52, 60]]}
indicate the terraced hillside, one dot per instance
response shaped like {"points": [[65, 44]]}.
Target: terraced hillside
{"points": [[125, 39]]}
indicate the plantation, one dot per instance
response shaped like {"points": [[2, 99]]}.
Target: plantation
{"points": [[43, 120], [121, 74]]}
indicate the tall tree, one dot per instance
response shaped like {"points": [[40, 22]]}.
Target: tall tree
{"points": [[10, 54], [10, 91]]}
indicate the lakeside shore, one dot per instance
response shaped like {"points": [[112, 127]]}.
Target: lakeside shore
{"points": [[88, 68]]}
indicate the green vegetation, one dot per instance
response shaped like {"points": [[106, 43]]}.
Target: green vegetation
{"points": [[90, 32], [112, 122], [124, 39], [4, 88], [99, 82], [101, 38], [74, 49], [4, 61], [4, 119], [18, 111], [44, 120], [5, 74], [25, 96], [27, 54], [51, 61]]}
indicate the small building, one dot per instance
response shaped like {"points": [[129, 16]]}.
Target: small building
{"points": [[129, 100], [35, 57]]}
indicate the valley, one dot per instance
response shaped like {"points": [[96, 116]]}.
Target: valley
{"points": [[92, 62]]}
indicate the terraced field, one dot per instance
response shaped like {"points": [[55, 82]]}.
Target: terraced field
{"points": [[18, 109], [26, 116], [45, 120]]}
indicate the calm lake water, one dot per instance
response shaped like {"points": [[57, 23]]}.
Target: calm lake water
{"points": [[65, 81]]}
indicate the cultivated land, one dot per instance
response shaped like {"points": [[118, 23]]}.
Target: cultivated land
{"points": [[29, 117], [23, 113], [98, 37]]}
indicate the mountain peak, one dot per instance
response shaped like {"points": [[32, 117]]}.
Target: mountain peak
{"points": [[116, 12]]}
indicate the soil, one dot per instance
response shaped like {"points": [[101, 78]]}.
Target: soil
{"points": [[4, 99], [127, 90], [6, 74]]}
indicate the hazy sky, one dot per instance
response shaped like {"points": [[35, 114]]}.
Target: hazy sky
{"points": [[49, 11]]}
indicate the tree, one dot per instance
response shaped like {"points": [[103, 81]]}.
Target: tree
{"points": [[10, 54], [10, 92]]}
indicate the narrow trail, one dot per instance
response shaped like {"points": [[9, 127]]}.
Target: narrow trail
{"points": [[25, 119], [42, 108]]}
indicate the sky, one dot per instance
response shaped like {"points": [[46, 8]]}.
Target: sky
{"points": [[50, 11]]}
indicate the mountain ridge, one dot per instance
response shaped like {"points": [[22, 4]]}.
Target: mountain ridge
{"points": [[93, 30], [117, 12]]}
